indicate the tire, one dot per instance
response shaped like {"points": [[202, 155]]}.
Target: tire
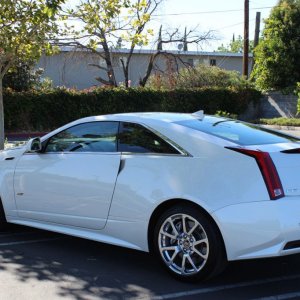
{"points": [[188, 244], [3, 223]]}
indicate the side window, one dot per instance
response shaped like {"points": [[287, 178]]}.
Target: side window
{"points": [[138, 139], [86, 137]]}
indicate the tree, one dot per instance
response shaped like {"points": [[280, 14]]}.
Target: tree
{"points": [[22, 76], [277, 57], [174, 36], [26, 28], [104, 23], [236, 46]]}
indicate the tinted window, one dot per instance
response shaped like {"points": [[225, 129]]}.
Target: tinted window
{"points": [[87, 137], [138, 139], [237, 132]]}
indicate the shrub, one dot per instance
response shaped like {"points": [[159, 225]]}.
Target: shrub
{"points": [[281, 121], [298, 93], [201, 76], [44, 111]]}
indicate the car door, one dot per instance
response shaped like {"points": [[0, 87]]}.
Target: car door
{"points": [[151, 171], [71, 182]]}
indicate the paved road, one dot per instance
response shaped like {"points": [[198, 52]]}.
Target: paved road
{"points": [[37, 264]]}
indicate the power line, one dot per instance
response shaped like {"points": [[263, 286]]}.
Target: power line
{"points": [[193, 13], [209, 12], [233, 25]]}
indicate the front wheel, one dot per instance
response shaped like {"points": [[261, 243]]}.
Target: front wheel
{"points": [[3, 223], [188, 244]]}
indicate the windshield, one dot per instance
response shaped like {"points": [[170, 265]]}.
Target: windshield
{"points": [[236, 131]]}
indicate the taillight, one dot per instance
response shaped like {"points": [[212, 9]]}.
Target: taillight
{"points": [[268, 171]]}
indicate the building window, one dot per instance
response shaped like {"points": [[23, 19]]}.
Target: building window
{"points": [[212, 62], [190, 62], [205, 61]]}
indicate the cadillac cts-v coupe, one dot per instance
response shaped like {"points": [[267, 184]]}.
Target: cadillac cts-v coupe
{"points": [[195, 190]]}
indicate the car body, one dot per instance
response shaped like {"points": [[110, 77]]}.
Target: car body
{"points": [[196, 190]]}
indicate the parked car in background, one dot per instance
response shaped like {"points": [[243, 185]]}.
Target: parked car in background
{"points": [[195, 190]]}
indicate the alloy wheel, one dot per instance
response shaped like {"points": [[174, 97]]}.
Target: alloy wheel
{"points": [[183, 244]]}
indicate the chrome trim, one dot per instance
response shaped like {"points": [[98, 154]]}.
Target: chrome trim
{"points": [[153, 154], [70, 152], [110, 153], [181, 150]]}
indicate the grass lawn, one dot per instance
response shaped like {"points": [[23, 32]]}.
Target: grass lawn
{"points": [[281, 121]]}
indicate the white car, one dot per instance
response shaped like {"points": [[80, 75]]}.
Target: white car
{"points": [[196, 190]]}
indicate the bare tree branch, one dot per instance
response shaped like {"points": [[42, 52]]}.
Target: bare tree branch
{"points": [[103, 81], [176, 59], [99, 67]]}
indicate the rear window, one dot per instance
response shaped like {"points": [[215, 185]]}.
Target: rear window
{"points": [[237, 132]]}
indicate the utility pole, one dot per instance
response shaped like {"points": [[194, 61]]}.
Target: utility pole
{"points": [[256, 36], [159, 41], [185, 45], [257, 29], [246, 39]]}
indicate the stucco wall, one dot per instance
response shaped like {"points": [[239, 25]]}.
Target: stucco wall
{"points": [[275, 104], [72, 68], [272, 105]]}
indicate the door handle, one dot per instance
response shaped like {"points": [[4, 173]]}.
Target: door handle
{"points": [[9, 158], [121, 166]]}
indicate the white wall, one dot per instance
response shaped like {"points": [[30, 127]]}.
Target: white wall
{"points": [[71, 69]]}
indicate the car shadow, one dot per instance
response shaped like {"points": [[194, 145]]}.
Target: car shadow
{"points": [[82, 269]]}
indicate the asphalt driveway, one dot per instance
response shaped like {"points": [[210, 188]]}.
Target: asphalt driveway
{"points": [[37, 264]]}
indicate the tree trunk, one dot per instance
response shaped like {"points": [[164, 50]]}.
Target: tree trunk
{"points": [[144, 80], [126, 67], [1, 117], [108, 60]]}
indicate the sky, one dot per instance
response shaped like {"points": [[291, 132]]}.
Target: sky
{"points": [[215, 15], [224, 17]]}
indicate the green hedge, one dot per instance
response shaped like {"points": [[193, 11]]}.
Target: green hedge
{"points": [[37, 111], [280, 121]]}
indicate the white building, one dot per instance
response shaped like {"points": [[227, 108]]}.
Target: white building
{"points": [[72, 68]]}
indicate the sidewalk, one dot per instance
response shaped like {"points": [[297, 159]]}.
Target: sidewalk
{"points": [[14, 144], [291, 130], [18, 139]]}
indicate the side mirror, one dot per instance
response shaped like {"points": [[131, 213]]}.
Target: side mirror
{"points": [[34, 145]]}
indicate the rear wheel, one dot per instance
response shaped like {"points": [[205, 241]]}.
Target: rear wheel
{"points": [[188, 244]]}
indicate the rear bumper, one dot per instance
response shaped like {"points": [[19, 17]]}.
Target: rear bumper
{"points": [[260, 229]]}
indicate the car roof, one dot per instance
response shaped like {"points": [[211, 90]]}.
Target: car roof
{"points": [[147, 117]]}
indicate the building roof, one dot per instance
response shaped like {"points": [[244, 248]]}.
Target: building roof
{"points": [[151, 51]]}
